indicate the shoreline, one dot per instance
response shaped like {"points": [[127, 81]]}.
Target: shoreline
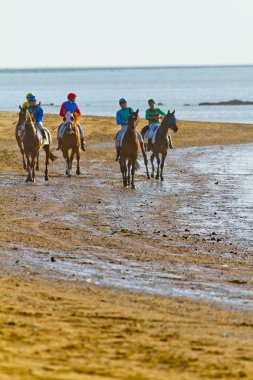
{"points": [[60, 329], [142, 119]]}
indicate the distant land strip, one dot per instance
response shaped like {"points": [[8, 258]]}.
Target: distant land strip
{"points": [[234, 102]]}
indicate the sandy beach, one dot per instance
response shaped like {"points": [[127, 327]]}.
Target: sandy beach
{"points": [[60, 242]]}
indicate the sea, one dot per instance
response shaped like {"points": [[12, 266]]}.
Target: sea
{"points": [[99, 89]]}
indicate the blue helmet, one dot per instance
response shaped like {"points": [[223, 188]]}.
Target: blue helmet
{"points": [[122, 100], [31, 99]]}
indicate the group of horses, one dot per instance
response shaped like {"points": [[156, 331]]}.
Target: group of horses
{"points": [[159, 148], [30, 142]]}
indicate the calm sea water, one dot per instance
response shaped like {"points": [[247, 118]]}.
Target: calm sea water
{"points": [[99, 90]]}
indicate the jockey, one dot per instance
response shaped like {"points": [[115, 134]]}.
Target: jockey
{"points": [[70, 106], [37, 112], [122, 117], [152, 115], [26, 104]]}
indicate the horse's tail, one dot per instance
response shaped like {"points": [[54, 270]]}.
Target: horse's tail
{"points": [[52, 157], [137, 165]]}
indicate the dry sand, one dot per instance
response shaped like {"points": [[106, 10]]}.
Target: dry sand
{"points": [[59, 329]]}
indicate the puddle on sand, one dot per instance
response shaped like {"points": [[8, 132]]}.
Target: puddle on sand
{"points": [[225, 202], [177, 279], [215, 186], [10, 180]]}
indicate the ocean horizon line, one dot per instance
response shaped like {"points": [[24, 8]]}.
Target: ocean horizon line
{"points": [[97, 68]]}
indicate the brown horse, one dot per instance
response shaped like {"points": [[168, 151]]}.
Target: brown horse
{"points": [[129, 151], [32, 143], [71, 143], [161, 144], [18, 135]]}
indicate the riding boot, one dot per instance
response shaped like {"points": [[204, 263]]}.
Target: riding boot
{"points": [[59, 145], [149, 145], [118, 149], [82, 146]]}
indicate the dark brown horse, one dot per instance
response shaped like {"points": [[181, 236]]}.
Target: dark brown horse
{"points": [[161, 144], [129, 151], [71, 143], [32, 143]]}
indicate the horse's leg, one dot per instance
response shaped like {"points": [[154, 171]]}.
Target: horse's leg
{"points": [[21, 147], [33, 167], [78, 172], [65, 155], [71, 161], [132, 173], [68, 171], [170, 142], [20, 144], [146, 165], [23, 157], [37, 161], [123, 169], [152, 163], [128, 172], [29, 176], [46, 162], [162, 165], [158, 167]]}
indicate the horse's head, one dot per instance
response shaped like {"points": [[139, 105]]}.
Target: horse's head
{"points": [[22, 115], [69, 121], [171, 121], [133, 120]]}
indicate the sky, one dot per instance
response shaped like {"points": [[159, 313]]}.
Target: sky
{"points": [[87, 33]]}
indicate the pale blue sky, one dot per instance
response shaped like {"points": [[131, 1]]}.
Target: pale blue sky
{"points": [[61, 33]]}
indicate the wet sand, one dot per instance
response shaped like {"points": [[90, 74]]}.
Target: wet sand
{"points": [[64, 242]]}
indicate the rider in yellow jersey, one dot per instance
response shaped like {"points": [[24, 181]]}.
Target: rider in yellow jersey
{"points": [[26, 104]]}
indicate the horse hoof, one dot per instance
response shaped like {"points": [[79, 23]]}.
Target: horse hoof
{"points": [[152, 175], [162, 179], [78, 172], [157, 177], [148, 176], [133, 187], [46, 178], [37, 168]]}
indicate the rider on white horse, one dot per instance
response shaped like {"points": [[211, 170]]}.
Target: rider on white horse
{"points": [[70, 106]]}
